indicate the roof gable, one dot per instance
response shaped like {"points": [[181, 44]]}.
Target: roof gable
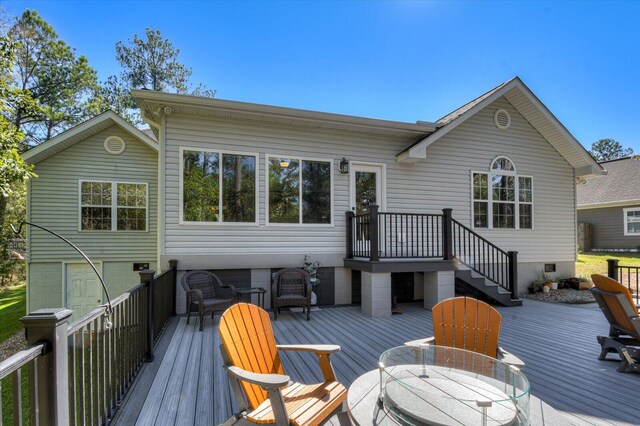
{"points": [[530, 107], [621, 186], [81, 132]]}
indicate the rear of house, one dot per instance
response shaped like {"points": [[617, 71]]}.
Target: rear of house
{"points": [[609, 208], [246, 189], [97, 187]]}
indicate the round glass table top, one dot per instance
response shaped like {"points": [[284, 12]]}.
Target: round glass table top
{"points": [[436, 385]]}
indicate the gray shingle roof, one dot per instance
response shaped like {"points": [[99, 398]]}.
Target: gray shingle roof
{"points": [[622, 183], [466, 107]]}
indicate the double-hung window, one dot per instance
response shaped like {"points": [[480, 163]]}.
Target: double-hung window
{"points": [[299, 190], [218, 187], [113, 206], [631, 221], [501, 198]]}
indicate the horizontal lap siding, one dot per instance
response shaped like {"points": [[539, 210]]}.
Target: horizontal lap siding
{"points": [[440, 181], [55, 203], [608, 228]]}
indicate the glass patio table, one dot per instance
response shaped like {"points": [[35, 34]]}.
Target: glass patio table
{"points": [[436, 385]]}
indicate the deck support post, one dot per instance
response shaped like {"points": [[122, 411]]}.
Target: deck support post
{"points": [[374, 254], [349, 240], [173, 265], [146, 277], [612, 268], [376, 294], [438, 286], [50, 326], [513, 273], [447, 234]]}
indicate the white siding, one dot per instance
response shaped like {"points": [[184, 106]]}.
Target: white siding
{"points": [[54, 201], [440, 181]]}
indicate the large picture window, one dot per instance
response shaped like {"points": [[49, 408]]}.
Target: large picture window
{"points": [[113, 206], [501, 198], [299, 191], [218, 187], [631, 221]]}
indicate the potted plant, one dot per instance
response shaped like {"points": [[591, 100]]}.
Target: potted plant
{"points": [[547, 282], [311, 268], [535, 287]]}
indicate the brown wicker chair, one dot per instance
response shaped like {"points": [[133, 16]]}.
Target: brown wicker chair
{"points": [[290, 287], [207, 293]]}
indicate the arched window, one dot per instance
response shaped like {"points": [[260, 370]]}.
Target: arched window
{"points": [[501, 198]]}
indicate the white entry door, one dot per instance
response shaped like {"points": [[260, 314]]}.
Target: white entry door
{"points": [[366, 187], [83, 289]]}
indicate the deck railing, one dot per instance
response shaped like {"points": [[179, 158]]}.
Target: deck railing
{"points": [[379, 235], [629, 276], [79, 373]]}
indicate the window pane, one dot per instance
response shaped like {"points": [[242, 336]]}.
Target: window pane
{"points": [[316, 192], [503, 164], [238, 188], [132, 219], [503, 188], [525, 189], [284, 187], [633, 216], [480, 186], [503, 215], [96, 218], [525, 216], [131, 195], [96, 193], [200, 186], [633, 228], [480, 215], [365, 191]]}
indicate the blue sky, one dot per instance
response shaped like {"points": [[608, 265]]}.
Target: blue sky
{"points": [[399, 60]]}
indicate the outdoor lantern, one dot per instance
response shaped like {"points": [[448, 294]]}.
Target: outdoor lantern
{"points": [[284, 163], [344, 166]]}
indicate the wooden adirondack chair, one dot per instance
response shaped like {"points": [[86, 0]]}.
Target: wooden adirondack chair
{"points": [[618, 307], [468, 323], [263, 392]]}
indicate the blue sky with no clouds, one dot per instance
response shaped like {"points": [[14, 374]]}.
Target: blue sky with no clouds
{"points": [[398, 60]]}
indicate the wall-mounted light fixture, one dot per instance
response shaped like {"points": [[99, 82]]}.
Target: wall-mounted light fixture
{"points": [[284, 163], [344, 166]]}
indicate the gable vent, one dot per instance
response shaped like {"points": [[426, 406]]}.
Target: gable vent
{"points": [[114, 145], [502, 119]]}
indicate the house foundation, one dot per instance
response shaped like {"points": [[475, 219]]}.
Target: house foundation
{"points": [[376, 294]]}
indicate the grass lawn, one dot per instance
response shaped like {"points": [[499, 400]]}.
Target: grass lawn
{"points": [[596, 263], [12, 308]]}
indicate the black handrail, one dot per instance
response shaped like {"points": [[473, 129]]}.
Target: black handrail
{"points": [[628, 276]]}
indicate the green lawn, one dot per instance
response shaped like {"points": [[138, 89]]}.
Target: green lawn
{"points": [[12, 308], [596, 263]]}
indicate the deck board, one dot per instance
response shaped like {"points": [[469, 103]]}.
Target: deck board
{"points": [[557, 342]]}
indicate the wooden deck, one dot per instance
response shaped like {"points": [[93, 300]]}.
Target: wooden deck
{"points": [[186, 384]]}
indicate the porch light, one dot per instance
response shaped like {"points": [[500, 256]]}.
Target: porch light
{"points": [[284, 163], [344, 166]]}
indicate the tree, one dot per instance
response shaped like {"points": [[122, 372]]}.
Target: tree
{"points": [[61, 82], [609, 149]]}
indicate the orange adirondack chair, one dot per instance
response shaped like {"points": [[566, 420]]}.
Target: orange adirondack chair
{"points": [[618, 307], [263, 392], [470, 324]]}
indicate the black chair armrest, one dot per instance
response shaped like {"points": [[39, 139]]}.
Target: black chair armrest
{"points": [[197, 294]]}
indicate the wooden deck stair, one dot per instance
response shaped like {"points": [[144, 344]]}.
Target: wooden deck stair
{"points": [[475, 285]]}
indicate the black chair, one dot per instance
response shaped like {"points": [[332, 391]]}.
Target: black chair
{"points": [[291, 287], [207, 293]]}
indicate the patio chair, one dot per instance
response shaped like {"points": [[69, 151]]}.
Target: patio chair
{"points": [[618, 307], [470, 324], [263, 393], [206, 292], [291, 287]]}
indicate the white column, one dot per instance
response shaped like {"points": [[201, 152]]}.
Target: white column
{"points": [[376, 294], [343, 286], [438, 286], [261, 278]]}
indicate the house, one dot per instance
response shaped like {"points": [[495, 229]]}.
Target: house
{"points": [[97, 186], [480, 201], [609, 207]]}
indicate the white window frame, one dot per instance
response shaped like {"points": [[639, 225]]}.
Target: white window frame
{"points": [[625, 222], [490, 174], [114, 205], [220, 153], [299, 158]]}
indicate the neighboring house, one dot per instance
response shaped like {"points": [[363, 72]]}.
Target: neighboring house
{"points": [[245, 189], [611, 206], [97, 186]]}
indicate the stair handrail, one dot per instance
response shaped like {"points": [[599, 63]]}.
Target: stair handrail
{"points": [[485, 258]]}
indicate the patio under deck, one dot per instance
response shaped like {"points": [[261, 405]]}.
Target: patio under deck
{"points": [[186, 384]]}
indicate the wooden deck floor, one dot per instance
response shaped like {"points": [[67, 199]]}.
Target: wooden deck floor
{"points": [[186, 384]]}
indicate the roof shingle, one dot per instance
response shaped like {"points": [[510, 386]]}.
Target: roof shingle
{"points": [[622, 183]]}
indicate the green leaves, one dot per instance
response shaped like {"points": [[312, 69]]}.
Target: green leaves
{"points": [[609, 149]]}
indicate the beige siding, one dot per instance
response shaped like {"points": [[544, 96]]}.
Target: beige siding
{"points": [[54, 200], [608, 228], [440, 181]]}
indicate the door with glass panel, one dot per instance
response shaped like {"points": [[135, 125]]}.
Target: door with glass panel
{"points": [[366, 190]]}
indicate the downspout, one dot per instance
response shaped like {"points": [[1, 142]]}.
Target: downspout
{"points": [[161, 226]]}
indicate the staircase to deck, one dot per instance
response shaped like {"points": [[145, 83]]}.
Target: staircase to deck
{"points": [[400, 242]]}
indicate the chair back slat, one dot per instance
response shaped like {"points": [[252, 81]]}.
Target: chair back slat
{"points": [[247, 338], [467, 323], [610, 285]]}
